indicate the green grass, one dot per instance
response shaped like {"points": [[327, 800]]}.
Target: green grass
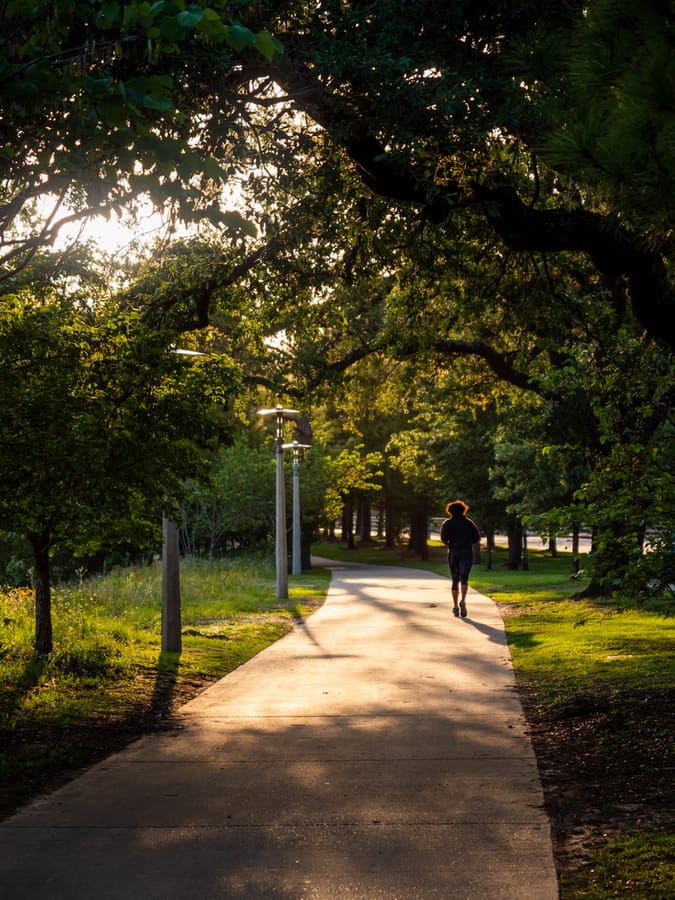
{"points": [[632, 865], [572, 646], [107, 677]]}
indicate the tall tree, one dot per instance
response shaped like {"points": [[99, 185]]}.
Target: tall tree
{"points": [[440, 107], [100, 425]]}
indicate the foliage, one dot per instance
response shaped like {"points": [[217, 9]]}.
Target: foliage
{"points": [[351, 469], [96, 418], [625, 491], [235, 509], [100, 427], [97, 108], [617, 132], [437, 209]]}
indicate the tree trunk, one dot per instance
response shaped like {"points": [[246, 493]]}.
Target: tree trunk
{"points": [[348, 522], [575, 540], [43, 594], [389, 526], [418, 529], [515, 535], [490, 547], [364, 520]]}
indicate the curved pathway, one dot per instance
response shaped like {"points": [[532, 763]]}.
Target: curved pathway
{"points": [[378, 752]]}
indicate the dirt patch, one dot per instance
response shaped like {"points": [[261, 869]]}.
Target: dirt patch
{"points": [[607, 765]]}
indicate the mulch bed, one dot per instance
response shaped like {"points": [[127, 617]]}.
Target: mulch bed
{"points": [[607, 765]]}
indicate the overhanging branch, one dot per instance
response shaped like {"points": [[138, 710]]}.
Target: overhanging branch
{"points": [[616, 252]]}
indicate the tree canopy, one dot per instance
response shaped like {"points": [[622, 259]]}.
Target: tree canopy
{"points": [[98, 107], [465, 194], [460, 109], [101, 425]]}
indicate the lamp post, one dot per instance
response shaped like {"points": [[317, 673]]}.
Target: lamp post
{"points": [[296, 447], [280, 545], [171, 613]]}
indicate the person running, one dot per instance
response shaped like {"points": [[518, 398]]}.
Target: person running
{"points": [[459, 533]]}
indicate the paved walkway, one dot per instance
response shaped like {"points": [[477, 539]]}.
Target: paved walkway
{"points": [[378, 752]]}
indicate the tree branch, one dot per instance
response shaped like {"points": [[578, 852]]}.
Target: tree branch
{"points": [[498, 362], [616, 252]]}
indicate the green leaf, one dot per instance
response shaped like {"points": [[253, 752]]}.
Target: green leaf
{"points": [[212, 25], [239, 37], [165, 150], [235, 221], [98, 86], [212, 169], [190, 18], [170, 29], [135, 90], [160, 103], [140, 13], [268, 45], [108, 15]]}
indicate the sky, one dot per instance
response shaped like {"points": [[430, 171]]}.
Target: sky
{"points": [[115, 233]]}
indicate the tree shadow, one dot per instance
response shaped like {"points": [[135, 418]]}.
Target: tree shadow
{"points": [[13, 695], [320, 768]]}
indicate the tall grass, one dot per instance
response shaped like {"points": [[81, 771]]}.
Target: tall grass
{"points": [[107, 673]]}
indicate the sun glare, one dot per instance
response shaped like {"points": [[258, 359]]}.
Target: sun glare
{"points": [[116, 233]]}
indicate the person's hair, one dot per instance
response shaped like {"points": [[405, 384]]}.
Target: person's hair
{"points": [[457, 507]]}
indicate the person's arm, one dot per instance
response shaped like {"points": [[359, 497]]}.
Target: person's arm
{"points": [[444, 534]]}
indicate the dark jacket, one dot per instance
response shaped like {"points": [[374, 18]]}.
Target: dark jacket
{"points": [[459, 533]]}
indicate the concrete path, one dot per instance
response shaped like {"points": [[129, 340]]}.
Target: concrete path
{"points": [[378, 752]]}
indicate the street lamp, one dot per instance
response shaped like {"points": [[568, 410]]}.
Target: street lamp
{"points": [[296, 447], [280, 546], [172, 641], [171, 615]]}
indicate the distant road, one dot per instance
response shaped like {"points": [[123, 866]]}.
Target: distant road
{"points": [[564, 542], [534, 542]]}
